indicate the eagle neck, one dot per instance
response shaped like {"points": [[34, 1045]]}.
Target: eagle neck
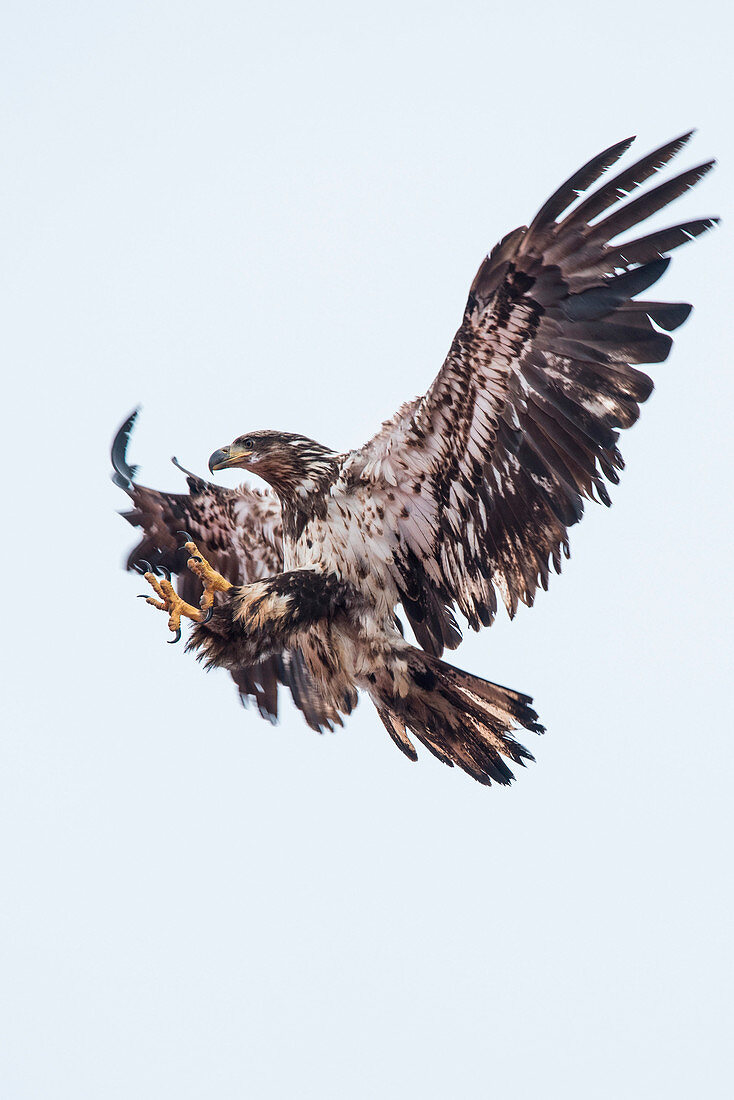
{"points": [[304, 492]]}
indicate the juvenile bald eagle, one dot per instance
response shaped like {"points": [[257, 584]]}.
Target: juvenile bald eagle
{"points": [[466, 494]]}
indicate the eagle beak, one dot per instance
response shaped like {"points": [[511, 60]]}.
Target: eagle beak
{"points": [[233, 455], [220, 459]]}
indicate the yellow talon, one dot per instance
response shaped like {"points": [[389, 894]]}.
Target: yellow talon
{"points": [[170, 601], [212, 581]]}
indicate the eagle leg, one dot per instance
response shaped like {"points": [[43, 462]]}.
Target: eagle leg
{"points": [[213, 582]]}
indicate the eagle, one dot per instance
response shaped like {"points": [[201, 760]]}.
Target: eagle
{"points": [[462, 501]]}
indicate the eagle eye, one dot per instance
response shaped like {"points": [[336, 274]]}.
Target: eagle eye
{"points": [[248, 443]]}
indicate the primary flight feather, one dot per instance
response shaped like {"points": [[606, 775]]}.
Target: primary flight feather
{"points": [[466, 495]]}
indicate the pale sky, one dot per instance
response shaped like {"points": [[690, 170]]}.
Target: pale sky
{"points": [[253, 216]]}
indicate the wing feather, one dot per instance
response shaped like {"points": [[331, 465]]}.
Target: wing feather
{"points": [[522, 422]]}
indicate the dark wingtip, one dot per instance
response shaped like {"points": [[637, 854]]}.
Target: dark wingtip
{"points": [[183, 469], [656, 269], [196, 484], [124, 473], [579, 182]]}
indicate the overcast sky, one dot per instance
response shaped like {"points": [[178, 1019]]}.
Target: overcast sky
{"points": [[253, 216]]}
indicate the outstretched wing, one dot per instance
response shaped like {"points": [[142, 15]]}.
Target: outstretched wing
{"points": [[482, 477], [239, 532]]}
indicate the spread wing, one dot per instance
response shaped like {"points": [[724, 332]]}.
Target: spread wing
{"points": [[482, 476], [239, 532]]}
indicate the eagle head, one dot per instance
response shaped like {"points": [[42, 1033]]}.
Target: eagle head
{"points": [[293, 464]]}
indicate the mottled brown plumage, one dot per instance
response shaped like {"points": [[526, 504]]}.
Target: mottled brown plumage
{"points": [[467, 493]]}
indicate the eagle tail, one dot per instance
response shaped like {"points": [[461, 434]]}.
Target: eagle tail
{"points": [[462, 719]]}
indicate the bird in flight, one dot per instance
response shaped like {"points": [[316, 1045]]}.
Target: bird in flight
{"points": [[464, 498]]}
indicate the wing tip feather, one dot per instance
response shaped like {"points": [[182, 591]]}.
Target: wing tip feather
{"points": [[123, 473]]}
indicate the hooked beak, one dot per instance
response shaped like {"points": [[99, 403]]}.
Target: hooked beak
{"points": [[226, 457], [218, 460]]}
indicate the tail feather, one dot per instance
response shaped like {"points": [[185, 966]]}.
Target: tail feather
{"points": [[396, 728], [461, 719]]}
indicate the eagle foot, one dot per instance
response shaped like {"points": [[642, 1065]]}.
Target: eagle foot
{"points": [[213, 582], [170, 601]]}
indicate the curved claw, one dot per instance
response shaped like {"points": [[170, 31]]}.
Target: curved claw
{"points": [[157, 569], [142, 596], [176, 639], [165, 571], [139, 564], [208, 616], [186, 536]]}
